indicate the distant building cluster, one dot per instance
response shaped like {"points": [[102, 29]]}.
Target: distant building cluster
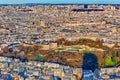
{"points": [[13, 69], [23, 23]]}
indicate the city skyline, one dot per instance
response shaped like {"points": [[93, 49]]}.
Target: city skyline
{"points": [[59, 40], [61, 1]]}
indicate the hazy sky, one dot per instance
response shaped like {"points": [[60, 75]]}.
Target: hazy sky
{"points": [[61, 1]]}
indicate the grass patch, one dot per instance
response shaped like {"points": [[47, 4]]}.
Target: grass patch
{"points": [[60, 48], [76, 47], [87, 51], [38, 58]]}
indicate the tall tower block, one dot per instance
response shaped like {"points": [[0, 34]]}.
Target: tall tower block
{"points": [[85, 6]]}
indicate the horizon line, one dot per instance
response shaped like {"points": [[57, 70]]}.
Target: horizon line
{"points": [[12, 4]]}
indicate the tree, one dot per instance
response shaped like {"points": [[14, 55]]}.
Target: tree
{"points": [[59, 41], [5, 50], [109, 61]]}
